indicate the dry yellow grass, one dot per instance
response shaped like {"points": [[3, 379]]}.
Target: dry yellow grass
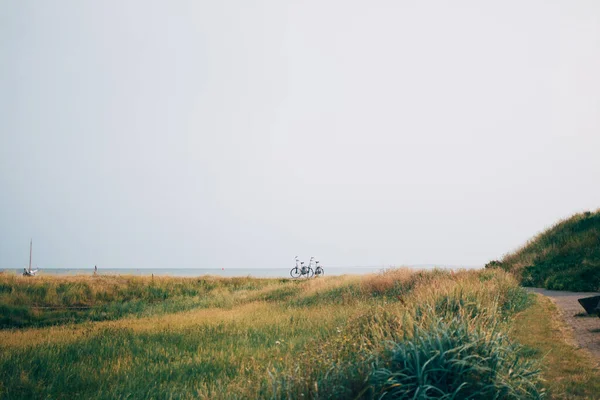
{"points": [[387, 280]]}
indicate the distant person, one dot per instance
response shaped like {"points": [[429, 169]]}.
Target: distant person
{"points": [[95, 270]]}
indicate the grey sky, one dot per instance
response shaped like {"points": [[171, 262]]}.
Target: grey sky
{"points": [[242, 133]]}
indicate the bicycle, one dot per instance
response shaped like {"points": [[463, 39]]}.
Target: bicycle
{"points": [[319, 271], [303, 270]]}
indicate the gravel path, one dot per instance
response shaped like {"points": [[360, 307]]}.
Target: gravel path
{"points": [[586, 329]]}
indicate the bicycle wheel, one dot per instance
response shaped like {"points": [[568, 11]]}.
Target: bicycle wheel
{"points": [[295, 272], [309, 272], [319, 271]]}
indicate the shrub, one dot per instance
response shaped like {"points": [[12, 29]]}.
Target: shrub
{"points": [[493, 264]]}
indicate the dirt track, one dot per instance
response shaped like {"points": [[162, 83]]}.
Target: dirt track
{"points": [[586, 329]]}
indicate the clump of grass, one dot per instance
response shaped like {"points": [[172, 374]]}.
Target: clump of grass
{"points": [[391, 282], [455, 359], [515, 299]]}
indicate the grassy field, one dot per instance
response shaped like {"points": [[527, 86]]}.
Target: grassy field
{"points": [[564, 257], [53, 300], [399, 334]]}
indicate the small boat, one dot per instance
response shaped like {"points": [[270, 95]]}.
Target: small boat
{"points": [[30, 272]]}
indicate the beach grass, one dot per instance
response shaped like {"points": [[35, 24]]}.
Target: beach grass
{"points": [[430, 333]]}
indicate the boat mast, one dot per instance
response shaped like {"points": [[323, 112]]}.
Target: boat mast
{"points": [[30, 246]]}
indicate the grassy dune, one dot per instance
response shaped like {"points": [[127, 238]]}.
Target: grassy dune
{"points": [[398, 334], [564, 257]]}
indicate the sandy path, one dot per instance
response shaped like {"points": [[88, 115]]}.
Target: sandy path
{"points": [[586, 329]]}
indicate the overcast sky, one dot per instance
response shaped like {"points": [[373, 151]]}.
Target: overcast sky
{"points": [[242, 133]]}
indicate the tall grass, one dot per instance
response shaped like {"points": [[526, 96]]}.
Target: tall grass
{"points": [[444, 338], [461, 358], [337, 337], [46, 301]]}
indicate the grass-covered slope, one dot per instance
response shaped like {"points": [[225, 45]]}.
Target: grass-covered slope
{"points": [[564, 257]]}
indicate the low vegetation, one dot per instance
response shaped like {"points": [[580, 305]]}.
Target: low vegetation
{"points": [[568, 372], [48, 300], [398, 334], [564, 257]]}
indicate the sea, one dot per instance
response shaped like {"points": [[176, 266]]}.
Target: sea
{"points": [[226, 272]]}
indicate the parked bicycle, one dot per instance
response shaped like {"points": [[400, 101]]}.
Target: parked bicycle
{"points": [[319, 271], [302, 270]]}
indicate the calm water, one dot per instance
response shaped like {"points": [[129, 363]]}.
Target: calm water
{"points": [[258, 272]]}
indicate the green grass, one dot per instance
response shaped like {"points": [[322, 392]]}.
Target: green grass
{"points": [[433, 363], [568, 373], [436, 333], [564, 257]]}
